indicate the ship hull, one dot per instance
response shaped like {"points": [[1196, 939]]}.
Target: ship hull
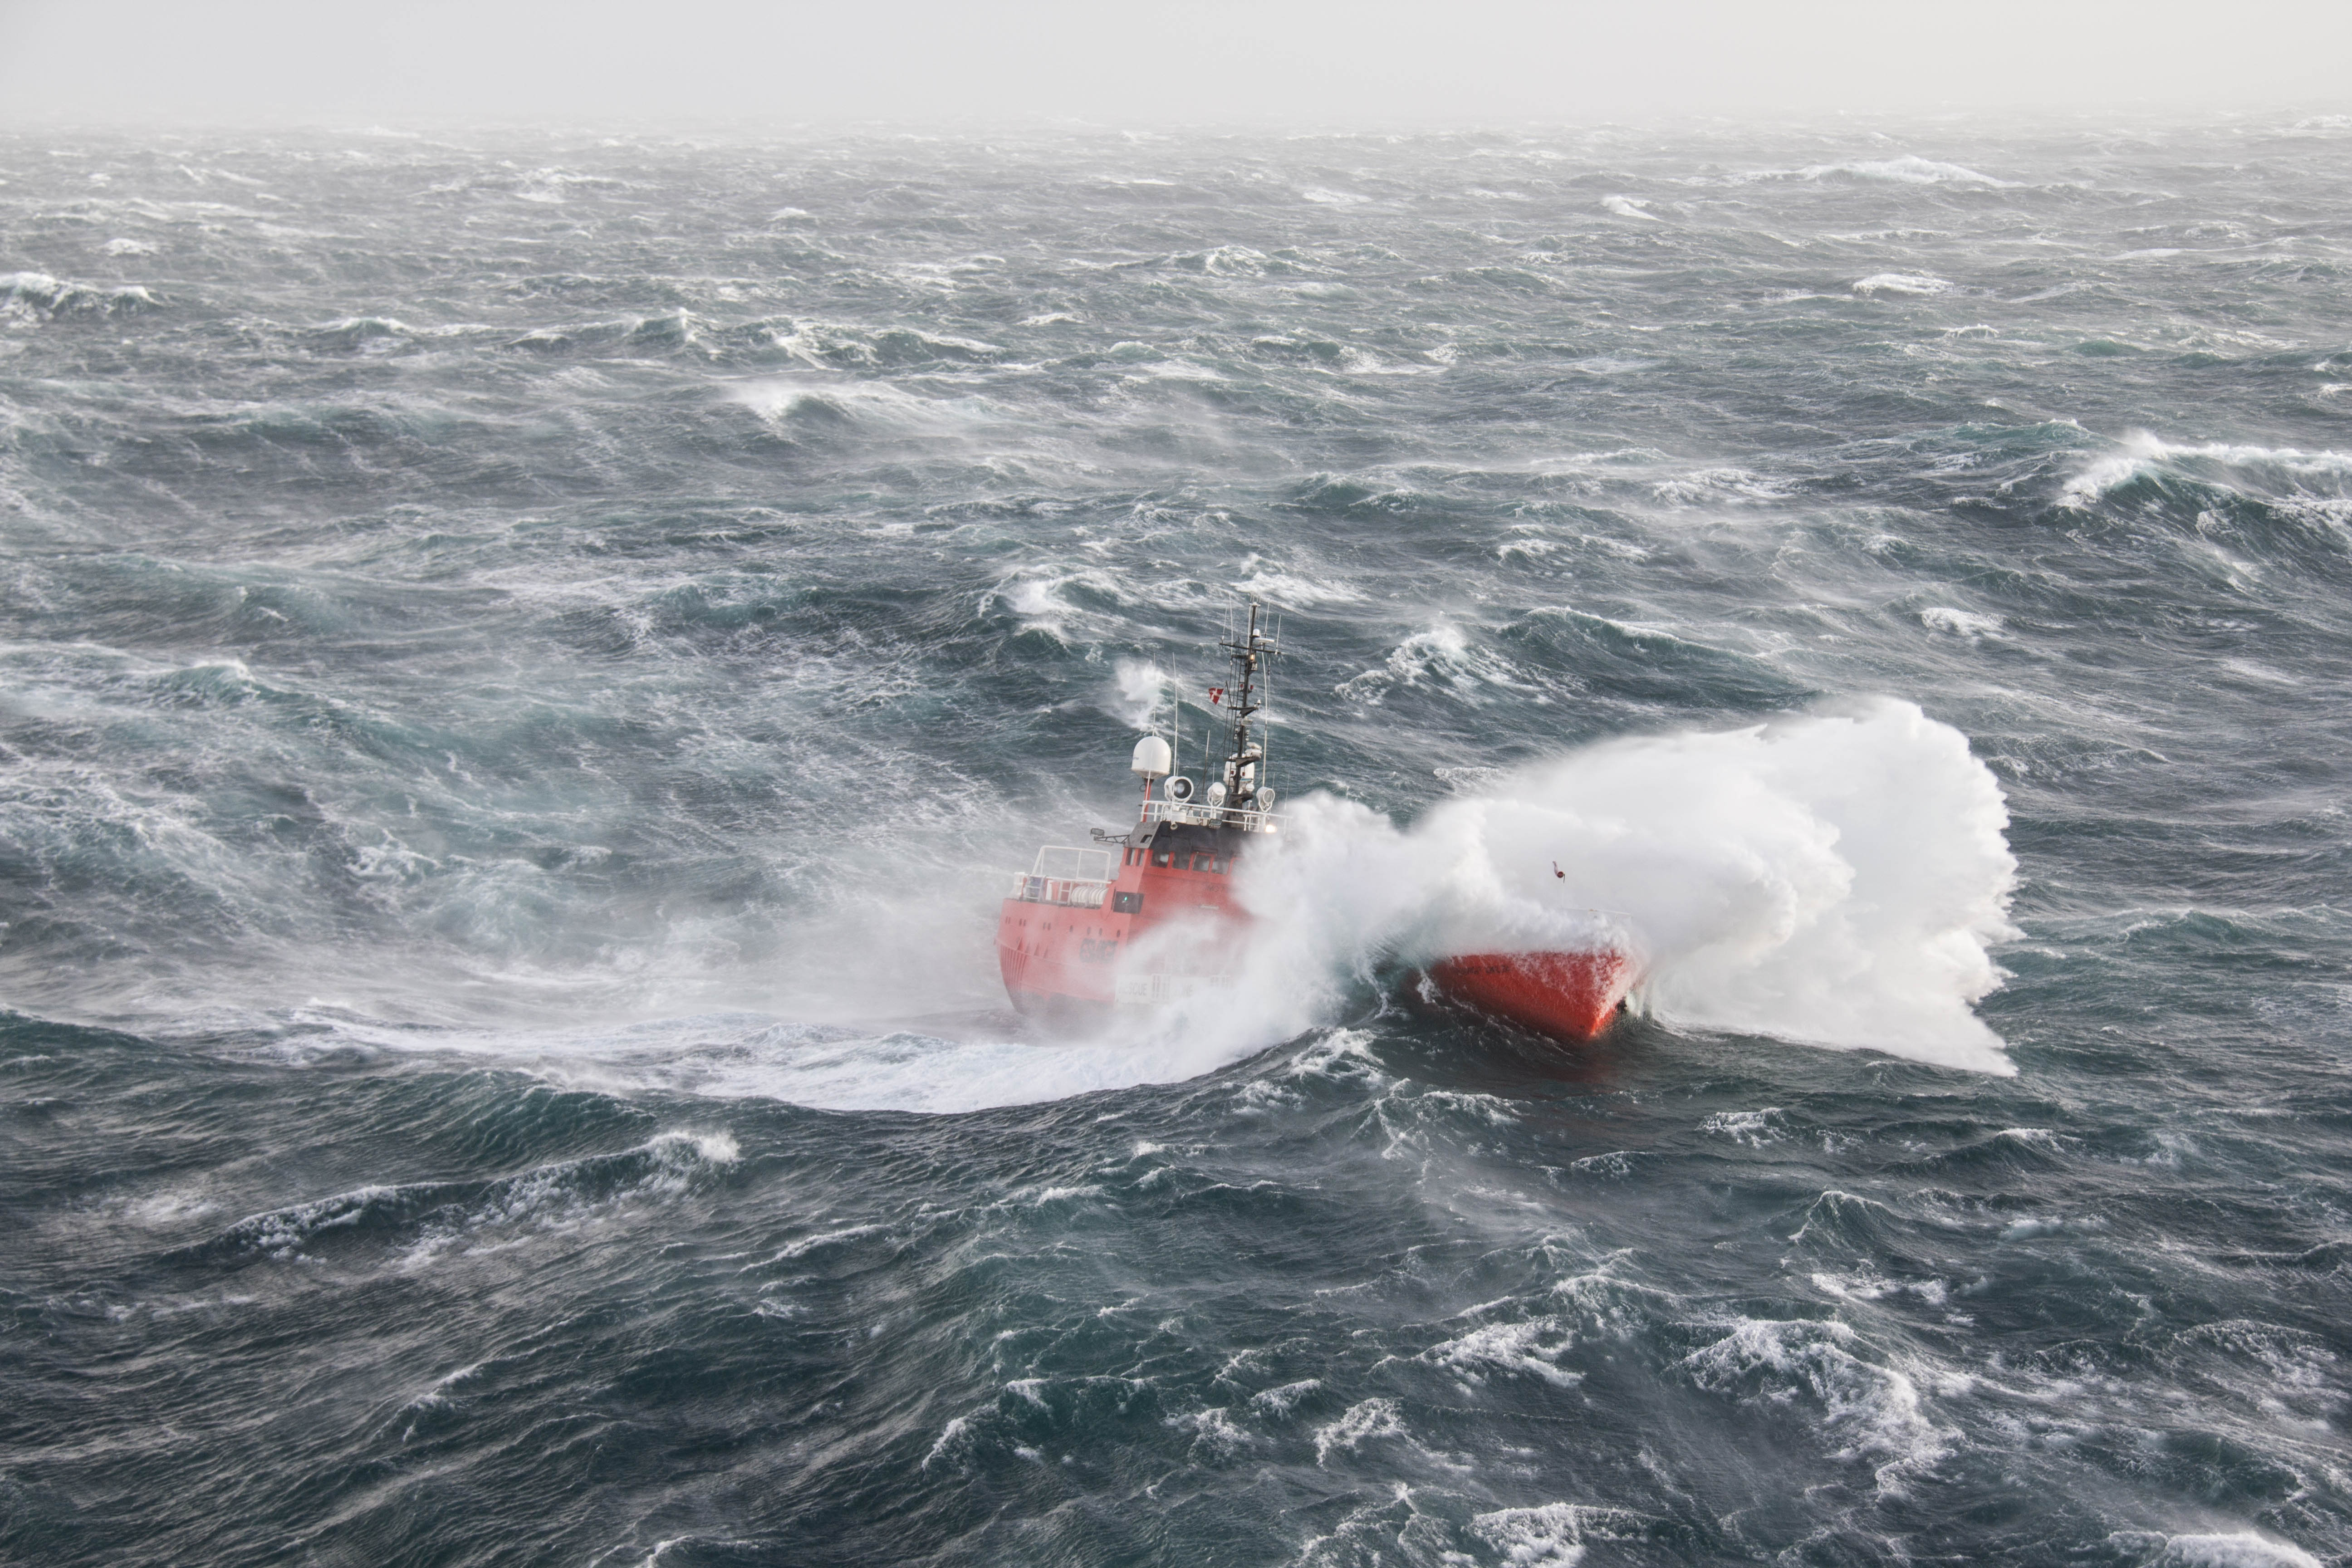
{"points": [[1043, 989], [1571, 996], [1058, 964]]}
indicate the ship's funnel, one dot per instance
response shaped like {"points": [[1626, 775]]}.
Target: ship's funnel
{"points": [[1152, 758]]}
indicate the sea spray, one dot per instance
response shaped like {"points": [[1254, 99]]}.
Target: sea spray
{"points": [[1835, 877]]}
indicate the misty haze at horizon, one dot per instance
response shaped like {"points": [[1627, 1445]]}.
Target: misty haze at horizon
{"points": [[270, 62]]}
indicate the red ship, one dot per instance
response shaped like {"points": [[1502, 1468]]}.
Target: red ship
{"points": [[1148, 916]]}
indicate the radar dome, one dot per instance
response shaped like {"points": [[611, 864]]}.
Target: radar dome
{"points": [[1152, 758]]}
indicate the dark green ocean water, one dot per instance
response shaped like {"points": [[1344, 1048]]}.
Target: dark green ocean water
{"points": [[523, 662]]}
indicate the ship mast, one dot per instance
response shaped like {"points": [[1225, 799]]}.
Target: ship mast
{"points": [[1251, 654]]}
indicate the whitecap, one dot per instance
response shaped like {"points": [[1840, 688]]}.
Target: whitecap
{"points": [[1721, 484], [1875, 1413], [27, 298], [1214, 1433], [1282, 1401], [1533, 1346], [1554, 1534], [1908, 170], [1913, 283], [1363, 1422], [955, 1434], [2142, 453], [1753, 1128], [1959, 623]]}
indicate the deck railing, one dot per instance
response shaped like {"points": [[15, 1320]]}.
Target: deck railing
{"points": [[1197, 815], [1078, 893], [1064, 875]]}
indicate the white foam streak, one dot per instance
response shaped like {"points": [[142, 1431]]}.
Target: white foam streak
{"points": [[2244, 1549], [1918, 284], [733, 1057]]}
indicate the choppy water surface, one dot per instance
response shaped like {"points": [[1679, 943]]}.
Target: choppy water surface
{"points": [[525, 658]]}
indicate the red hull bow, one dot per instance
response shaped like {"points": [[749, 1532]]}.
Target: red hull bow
{"points": [[1571, 996]]}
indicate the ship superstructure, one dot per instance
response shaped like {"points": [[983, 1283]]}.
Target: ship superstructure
{"points": [[1074, 938]]}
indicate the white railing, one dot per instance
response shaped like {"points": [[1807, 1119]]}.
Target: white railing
{"points": [[1072, 865], [1063, 875], [1199, 815], [1080, 892]]}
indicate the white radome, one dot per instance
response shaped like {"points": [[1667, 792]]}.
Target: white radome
{"points": [[1152, 758]]}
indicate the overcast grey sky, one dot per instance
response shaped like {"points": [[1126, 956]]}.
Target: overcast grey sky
{"points": [[1369, 63]]}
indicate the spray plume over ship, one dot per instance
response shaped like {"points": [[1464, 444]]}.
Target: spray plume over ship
{"points": [[1149, 916]]}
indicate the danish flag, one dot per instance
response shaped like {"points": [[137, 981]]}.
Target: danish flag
{"points": [[1217, 696]]}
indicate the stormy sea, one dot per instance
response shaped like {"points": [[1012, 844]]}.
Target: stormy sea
{"points": [[527, 661]]}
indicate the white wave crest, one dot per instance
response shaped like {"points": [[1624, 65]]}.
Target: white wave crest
{"points": [[1959, 623], [29, 298], [2140, 454], [1533, 1347], [1361, 1423], [1553, 1535], [1918, 284], [1909, 169], [1873, 1412]]}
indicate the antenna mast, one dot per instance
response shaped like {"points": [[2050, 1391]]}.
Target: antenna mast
{"points": [[1251, 656]]}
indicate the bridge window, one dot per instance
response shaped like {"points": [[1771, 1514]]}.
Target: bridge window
{"points": [[1162, 857]]}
